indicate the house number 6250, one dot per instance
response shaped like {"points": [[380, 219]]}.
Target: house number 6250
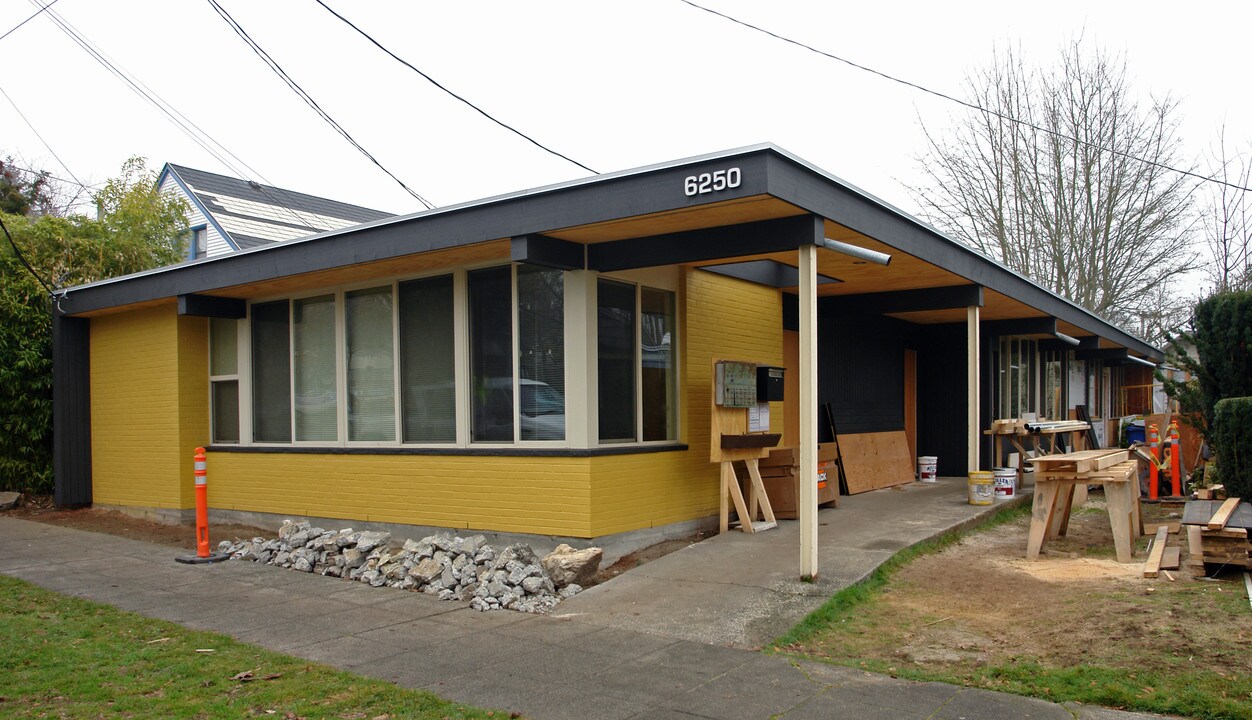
{"points": [[715, 181]]}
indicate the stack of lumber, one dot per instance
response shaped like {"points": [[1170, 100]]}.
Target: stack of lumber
{"points": [[780, 473], [1217, 532]]}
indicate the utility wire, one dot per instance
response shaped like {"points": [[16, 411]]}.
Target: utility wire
{"points": [[439, 85], [308, 99], [32, 17], [45, 142], [194, 132], [22, 258], [971, 106]]}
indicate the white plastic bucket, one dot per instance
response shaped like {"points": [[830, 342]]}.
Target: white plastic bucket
{"points": [[1006, 483], [927, 468], [981, 487]]}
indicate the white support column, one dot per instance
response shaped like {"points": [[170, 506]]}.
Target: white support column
{"points": [[581, 378], [808, 411], [972, 354]]}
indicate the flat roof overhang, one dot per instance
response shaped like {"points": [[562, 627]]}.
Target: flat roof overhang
{"points": [[643, 205]]}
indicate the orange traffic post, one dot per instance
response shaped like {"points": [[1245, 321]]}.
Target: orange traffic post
{"points": [[1175, 457], [203, 554], [1154, 473]]}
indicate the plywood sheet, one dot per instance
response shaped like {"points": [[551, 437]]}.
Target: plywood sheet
{"points": [[876, 460]]}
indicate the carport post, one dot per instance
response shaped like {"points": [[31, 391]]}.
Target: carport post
{"points": [[971, 380], [808, 411]]}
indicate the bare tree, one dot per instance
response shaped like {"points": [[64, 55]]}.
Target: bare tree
{"points": [[1228, 220], [1063, 178]]}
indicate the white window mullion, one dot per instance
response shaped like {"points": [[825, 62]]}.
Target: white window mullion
{"points": [[245, 380], [395, 362], [341, 368], [516, 349], [461, 355]]}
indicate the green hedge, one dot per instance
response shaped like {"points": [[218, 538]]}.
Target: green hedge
{"points": [[1232, 439]]}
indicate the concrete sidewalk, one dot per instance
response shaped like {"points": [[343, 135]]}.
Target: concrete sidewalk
{"points": [[744, 590], [547, 668]]}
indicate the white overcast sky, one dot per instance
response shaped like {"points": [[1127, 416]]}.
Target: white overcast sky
{"points": [[612, 85]]}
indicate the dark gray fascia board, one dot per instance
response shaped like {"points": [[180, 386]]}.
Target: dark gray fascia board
{"points": [[809, 187], [753, 238], [548, 252], [612, 196], [903, 301], [769, 273], [212, 306], [1021, 326]]}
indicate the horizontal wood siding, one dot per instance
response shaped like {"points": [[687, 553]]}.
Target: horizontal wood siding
{"points": [[541, 495], [724, 318], [135, 423], [216, 244]]}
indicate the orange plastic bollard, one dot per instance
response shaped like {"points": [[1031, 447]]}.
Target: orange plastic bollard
{"points": [[202, 504], [1154, 473], [1175, 457]]}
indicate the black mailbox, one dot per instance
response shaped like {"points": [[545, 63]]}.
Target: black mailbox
{"points": [[769, 383]]}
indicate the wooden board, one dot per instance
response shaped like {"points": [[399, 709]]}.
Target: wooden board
{"points": [[1172, 558], [876, 460], [1171, 527], [1153, 565], [1223, 514], [1199, 512]]}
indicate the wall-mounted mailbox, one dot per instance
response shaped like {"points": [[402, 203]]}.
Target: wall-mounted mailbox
{"points": [[769, 383]]}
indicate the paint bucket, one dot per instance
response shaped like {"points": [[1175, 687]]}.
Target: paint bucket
{"points": [[981, 487], [927, 468], [1006, 483]]}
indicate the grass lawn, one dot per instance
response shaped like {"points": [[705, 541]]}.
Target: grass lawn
{"points": [[64, 657], [968, 609]]}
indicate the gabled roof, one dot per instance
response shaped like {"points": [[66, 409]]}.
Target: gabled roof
{"points": [[250, 214]]}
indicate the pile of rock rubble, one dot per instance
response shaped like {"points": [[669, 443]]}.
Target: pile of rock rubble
{"points": [[447, 566]]}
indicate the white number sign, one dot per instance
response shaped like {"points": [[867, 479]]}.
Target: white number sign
{"points": [[715, 181]]}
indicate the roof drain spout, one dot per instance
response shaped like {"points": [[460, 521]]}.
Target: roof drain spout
{"points": [[859, 253]]}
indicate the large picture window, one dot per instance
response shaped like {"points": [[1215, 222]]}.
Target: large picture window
{"points": [[271, 372], [615, 358], [474, 357], [541, 353], [370, 365], [428, 360], [637, 371]]}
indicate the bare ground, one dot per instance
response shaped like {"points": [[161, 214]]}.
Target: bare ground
{"points": [[980, 602]]}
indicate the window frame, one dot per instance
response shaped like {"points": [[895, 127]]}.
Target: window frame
{"points": [[197, 232], [461, 361], [236, 377]]}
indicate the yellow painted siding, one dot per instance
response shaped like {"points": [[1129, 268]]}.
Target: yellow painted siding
{"points": [[135, 409], [723, 318], [542, 495]]}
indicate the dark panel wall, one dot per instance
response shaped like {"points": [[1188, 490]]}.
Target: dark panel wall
{"points": [[861, 372], [71, 409], [941, 396]]}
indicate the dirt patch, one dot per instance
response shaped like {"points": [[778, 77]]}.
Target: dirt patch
{"points": [[980, 602], [650, 553], [43, 509]]}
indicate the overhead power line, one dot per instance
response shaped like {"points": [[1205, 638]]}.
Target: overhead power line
{"points": [[439, 85], [22, 258], [308, 99], [32, 17], [184, 124], [45, 142], [964, 103]]}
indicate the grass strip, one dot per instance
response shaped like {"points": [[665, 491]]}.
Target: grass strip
{"points": [[851, 597], [71, 658]]}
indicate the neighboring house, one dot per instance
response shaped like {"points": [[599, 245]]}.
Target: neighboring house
{"points": [[542, 362], [228, 214]]}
